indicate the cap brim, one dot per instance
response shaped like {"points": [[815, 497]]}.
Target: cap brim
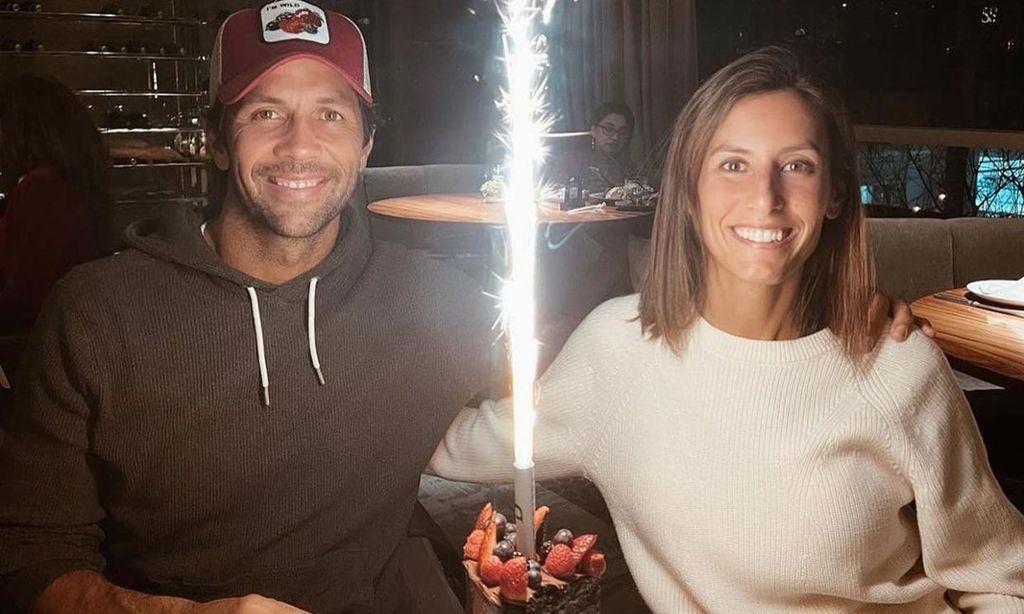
{"points": [[236, 88]]}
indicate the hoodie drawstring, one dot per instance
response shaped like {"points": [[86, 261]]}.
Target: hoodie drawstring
{"points": [[311, 326], [261, 353]]}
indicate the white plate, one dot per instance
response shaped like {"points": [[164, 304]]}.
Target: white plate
{"points": [[990, 289]]}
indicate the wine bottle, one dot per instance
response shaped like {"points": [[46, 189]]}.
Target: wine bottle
{"points": [[33, 45], [9, 44], [136, 47], [151, 12], [112, 9]]}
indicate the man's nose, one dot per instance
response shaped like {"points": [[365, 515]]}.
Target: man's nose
{"points": [[300, 142]]}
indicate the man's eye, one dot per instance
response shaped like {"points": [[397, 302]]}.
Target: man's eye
{"points": [[732, 166], [333, 116], [265, 114]]}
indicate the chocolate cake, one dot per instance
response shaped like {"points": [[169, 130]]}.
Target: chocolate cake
{"points": [[563, 579]]}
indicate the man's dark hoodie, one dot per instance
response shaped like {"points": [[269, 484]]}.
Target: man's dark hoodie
{"points": [[142, 443]]}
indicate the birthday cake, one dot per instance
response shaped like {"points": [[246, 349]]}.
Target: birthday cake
{"points": [[563, 578]]}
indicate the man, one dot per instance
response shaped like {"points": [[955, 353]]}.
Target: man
{"points": [[236, 413]]}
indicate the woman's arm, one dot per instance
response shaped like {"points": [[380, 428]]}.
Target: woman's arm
{"points": [[972, 538], [478, 444]]}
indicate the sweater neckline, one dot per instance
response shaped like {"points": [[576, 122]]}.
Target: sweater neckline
{"points": [[716, 341]]}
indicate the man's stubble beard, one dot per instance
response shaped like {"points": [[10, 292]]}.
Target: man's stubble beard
{"points": [[261, 211]]}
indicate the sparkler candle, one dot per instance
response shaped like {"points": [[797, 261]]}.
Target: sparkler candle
{"points": [[523, 108]]}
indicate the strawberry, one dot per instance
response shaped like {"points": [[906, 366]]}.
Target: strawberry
{"points": [[593, 564], [561, 562], [472, 548], [484, 517], [538, 516], [513, 579], [489, 541], [490, 570], [582, 545], [293, 26]]}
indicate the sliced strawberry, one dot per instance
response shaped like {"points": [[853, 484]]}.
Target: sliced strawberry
{"points": [[490, 570], [582, 545], [539, 515], [472, 548], [484, 517], [513, 579], [561, 563], [593, 564], [489, 541]]}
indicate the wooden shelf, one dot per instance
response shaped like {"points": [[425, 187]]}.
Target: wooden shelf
{"points": [[140, 93], [108, 55], [157, 130], [183, 164], [102, 17]]}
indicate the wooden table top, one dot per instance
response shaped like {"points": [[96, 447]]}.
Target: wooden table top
{"points": [[471, 208], [982, 337]]}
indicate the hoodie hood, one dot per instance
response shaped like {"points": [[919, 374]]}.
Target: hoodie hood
{"points": [[177, 237]]}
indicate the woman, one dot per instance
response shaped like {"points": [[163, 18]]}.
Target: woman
{"points": [[55, 172], [607, 163], [756, 453]]}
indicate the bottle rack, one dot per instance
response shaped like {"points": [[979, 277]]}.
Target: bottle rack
{"points": [[142, 76]]}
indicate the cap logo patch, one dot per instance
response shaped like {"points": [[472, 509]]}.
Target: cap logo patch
{"points": [[294, 20]]}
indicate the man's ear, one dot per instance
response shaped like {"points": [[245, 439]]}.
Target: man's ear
{"points": [[367, 148], [217, 148]]}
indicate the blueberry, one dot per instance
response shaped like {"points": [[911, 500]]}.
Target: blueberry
{"points": [[510, 527], [273, 25], [510, 537], [533, 578], [563, 536], [532, 564], [500, 522], [310, 28], [504, 550], [545, 548]]}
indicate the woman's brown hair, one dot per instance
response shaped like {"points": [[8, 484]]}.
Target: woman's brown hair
{"points": [[838, 279], [44, 124]]}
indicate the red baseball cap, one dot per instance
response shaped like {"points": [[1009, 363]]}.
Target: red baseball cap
{"points": [[252, 42]]}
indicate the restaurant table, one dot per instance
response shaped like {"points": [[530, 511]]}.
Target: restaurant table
{"points": [[471, 209], [983, 335], [489, 217]]}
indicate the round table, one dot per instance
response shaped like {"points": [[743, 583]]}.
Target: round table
{"points": [[471, 209]]}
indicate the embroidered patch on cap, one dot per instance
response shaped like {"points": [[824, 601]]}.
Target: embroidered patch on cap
{"points": [[294, 20]]}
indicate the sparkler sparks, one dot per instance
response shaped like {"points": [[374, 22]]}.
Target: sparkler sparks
{"points": [[523, 106]]}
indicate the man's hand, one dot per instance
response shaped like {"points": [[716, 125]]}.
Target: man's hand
{"points": [[89, 591], [250, 604], [903, 319]]}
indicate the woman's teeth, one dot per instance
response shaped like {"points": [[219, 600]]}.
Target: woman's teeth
{"points": [[761, 235]]}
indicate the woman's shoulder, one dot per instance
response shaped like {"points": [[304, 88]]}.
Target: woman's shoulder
{"points": [[613, 325], [620, 312], [898, 378]]}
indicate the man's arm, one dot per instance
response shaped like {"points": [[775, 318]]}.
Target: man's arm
{"points": [[88, 591]]}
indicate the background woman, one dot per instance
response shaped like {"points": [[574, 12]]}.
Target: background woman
{"points": [[55, 172], [756, 452], [607, 163]]}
